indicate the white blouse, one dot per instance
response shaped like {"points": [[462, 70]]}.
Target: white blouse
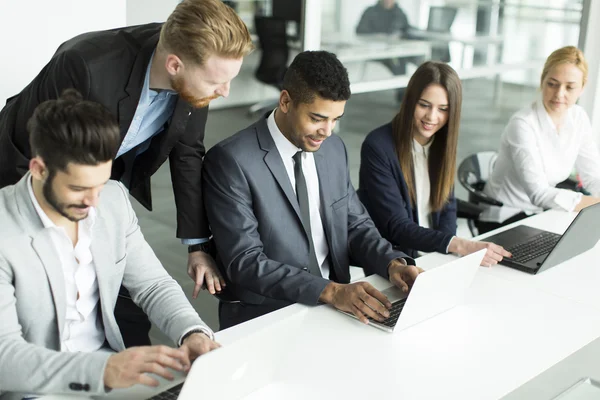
{"points": [[422, 183], [534, 156]]}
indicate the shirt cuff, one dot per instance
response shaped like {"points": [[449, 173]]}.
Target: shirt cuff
{"points": [[190, 242], [448, 247], [568, 200], [202, 328]]}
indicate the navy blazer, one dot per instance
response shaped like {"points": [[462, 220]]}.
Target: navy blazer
{"points": [[384, 193]]}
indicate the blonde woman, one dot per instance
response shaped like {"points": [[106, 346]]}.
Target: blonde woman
{"points": [[545, 141]]}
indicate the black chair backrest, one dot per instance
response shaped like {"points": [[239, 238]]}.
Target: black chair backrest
{"points": [[473, 173], [274, 48]]}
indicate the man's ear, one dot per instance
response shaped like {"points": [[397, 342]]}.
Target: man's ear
{"points": [[285, 101], [38, 168], [173, 64]]}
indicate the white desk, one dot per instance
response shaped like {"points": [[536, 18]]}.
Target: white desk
{"points": [[511, 328]]}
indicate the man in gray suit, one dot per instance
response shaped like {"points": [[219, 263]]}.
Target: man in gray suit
{"points": [[63, 256], [285, 218]]}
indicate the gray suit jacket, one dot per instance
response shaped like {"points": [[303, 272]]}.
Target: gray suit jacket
{"points": [[32, 294], [255, 219]]}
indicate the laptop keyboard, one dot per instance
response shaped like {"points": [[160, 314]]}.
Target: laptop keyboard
{"points": [[170, 394], [537, 246], [395, 311]]}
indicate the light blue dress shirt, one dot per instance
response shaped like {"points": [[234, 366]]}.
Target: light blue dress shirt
{"points": [[152, 113]]}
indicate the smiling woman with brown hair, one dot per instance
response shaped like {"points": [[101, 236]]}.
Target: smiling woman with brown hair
{"points": [[408, 166]]}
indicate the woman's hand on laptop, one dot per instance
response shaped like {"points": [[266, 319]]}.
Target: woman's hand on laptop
{"points": [[360, 299], [403, 275], [132, 366], [197, 344], [463, 247]]}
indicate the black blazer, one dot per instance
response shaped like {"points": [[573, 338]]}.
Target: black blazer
{"points": [[109, 67], [384, 193]]}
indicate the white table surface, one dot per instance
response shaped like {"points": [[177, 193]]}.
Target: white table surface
{"points": [[511, 328]]}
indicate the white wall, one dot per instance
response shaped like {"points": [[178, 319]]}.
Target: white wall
{"points": [[146, 11], [30, 32]]}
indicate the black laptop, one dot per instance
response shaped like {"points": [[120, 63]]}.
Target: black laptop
{"points": [[535, 250]]}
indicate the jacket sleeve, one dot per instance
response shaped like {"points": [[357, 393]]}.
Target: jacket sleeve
{"points": [[367, 23], [367, 248], [185, 161], [149, 284], [65, 70], [447, 222], [228, 200], [387, 205]]}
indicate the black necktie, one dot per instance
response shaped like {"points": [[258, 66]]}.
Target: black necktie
{"points": [[302, 194]]}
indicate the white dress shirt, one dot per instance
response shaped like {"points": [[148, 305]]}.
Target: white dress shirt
{"points": [[422, 183], [287, 150], [83, 330], [534, 156]]}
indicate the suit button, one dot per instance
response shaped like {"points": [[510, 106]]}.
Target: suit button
{"points": [[75, 386], [305, 269], [86, 387]]}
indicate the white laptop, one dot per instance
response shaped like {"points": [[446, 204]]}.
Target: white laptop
{"points": [[435, 291], [249, 368]]}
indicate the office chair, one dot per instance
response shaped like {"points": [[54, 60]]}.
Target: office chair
{"points": [[441, 19], [473, 173], [274, 48]]}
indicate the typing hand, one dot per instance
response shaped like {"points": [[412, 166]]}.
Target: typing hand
{"points": [[360, 299], [203, 270], [132, 366], [402, 275]]}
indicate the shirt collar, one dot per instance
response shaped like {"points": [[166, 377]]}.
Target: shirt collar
{"points": [[546, 122], [46, 221], [286, 148], [420, 149], [149, 94]]}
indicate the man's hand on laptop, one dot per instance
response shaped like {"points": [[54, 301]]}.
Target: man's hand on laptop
{"points": [[360, 299], [197, 344], [403, 275], [463, 247], [133, 365]]}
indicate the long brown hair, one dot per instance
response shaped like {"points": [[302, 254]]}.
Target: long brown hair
{"points": [[442, 154]]}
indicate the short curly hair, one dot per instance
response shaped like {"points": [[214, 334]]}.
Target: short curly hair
{"points": [[315, 73]]}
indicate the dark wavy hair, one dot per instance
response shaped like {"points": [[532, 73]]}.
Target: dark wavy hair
{"points": [[315, 73], [72, 130]]}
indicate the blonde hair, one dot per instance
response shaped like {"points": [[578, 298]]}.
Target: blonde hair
{"points": [[197, 29], [568, 54]]}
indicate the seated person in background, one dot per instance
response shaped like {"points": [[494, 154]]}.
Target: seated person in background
{"points": [[543, 143], [387, 17], [63, 256], [407, 169], [285, 218]]}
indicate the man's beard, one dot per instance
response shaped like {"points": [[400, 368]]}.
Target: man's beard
{"points": [[53, 201], [178, 84]]}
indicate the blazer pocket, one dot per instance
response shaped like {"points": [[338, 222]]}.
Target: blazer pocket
{"points": [[340, 202]]}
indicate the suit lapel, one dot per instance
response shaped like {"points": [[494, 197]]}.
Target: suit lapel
{"points": [[43, 246], [275, 164], [128, 103], [326, 200], [103, 258]]}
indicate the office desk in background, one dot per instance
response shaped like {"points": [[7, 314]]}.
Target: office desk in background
{"points": [[510, 329]]}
